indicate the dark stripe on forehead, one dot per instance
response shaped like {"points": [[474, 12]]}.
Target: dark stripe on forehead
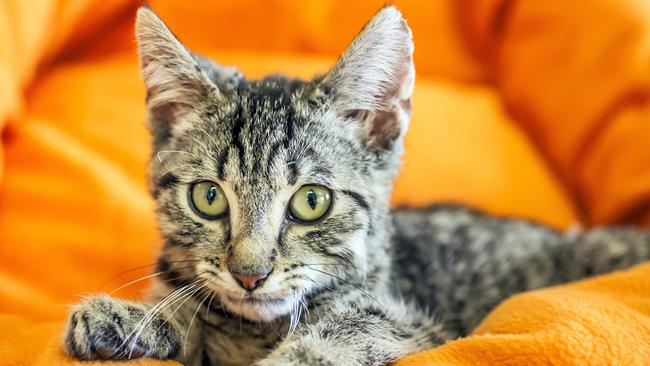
{"points": [[222, 160], [358, 198], [292, 166], [257, 167], [273, 152], [165, 182], [289, 127], [237, 137]]}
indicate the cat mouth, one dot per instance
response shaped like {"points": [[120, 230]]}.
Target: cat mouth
{"points": [[258, 308], [256, 300]]}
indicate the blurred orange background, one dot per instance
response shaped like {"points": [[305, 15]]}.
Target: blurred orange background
{"points": [[537, 109]]}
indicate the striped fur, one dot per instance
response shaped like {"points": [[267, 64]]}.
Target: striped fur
{"points": [[350, 289]]}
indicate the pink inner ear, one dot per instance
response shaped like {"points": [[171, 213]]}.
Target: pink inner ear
{"points": [[385, 128], [165, 113], [405, 104]]}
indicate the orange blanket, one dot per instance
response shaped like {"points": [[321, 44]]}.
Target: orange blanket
{"points": [[532, 108]]}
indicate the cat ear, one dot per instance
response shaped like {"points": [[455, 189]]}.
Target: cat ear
{"points": [[373, 80], [172, 75]]}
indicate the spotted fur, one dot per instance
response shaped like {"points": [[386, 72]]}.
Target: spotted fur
{"points": [[364, 285]]}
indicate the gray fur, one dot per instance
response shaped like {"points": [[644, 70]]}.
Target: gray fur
{"points": [[363, 286]]}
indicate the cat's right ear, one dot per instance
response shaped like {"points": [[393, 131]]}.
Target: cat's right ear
{"points": [[174, 80], [372, 81]]}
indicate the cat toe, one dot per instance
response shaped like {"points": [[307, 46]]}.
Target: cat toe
{"points": [[109, 345]]}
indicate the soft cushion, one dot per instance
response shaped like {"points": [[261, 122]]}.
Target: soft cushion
{"points": [[532, 109]]}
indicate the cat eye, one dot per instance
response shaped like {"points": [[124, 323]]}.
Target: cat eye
{"points": [[310, 203], [208, 200]]}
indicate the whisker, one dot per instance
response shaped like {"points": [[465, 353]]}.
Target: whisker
{"points": [[189, 327], [321, 284], [209, 136], [274, 329], [143, 267], [141, 321], [207, 310], [201, 143], [136, 281], [153, 312], [349, 283], [174, 168], [185, 297], [304, 305], [199, 288], [363, 272], [149, 276], [172, 151]]}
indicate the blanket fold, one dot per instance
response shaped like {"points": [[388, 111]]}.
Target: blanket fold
{"points": [[536, 109]]}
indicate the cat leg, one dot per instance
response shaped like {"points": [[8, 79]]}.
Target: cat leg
{"points": [[105, 328], [364, 332], [602, 250], [463, 263]]}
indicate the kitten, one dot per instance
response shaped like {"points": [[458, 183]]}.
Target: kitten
{"points": [[280, 245]]}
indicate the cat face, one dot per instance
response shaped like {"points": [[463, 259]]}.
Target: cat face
{"points": [[271, 190]]}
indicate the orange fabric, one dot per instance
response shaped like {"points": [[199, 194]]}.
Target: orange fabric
{"points": [[535, 109], [602, 321], [33, 33], [578, 80]]}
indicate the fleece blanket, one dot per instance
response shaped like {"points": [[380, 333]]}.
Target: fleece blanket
{"points": [[602, 321], [537, 109]]}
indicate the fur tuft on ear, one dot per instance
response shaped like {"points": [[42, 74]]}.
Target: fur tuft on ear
{"points": [[174, 80], [373, 80]]}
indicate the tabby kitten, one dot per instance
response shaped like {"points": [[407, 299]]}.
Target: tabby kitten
{"points": [[280, 246]]}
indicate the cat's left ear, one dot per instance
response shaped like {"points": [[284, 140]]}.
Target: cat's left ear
{"points": [[373, 80], [173, 76]]}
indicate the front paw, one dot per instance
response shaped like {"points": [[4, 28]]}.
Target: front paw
{"points": [[105, 328], [300, 356]]}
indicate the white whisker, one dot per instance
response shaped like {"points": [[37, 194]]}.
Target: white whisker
{"points": [[136, 281], [207, 310], [209, 136], [154, 312], [174, 168], [137, 326], [361, 289], [189, 327], [201, 143], [171, 152]]}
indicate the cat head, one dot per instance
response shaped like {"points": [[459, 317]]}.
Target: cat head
{"points": [[271, 190]]}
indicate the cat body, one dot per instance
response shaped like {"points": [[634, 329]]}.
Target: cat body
{"points": [[280, 245]]}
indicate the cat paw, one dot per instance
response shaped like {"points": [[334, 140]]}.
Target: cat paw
{"points": [[105, 328]]}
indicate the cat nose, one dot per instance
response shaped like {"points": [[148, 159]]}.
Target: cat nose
{"points": [[250, 282]]}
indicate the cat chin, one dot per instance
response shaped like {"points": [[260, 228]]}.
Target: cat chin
{"points": [[261, 310]]}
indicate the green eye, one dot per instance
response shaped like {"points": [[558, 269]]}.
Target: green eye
{"points": [[207, 200], [310, 203]]}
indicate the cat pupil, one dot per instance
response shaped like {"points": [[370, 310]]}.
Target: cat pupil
{"points": [[211, 194], [312, 200]]}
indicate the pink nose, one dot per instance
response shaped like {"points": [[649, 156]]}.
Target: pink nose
{"points": [[249, 282]]}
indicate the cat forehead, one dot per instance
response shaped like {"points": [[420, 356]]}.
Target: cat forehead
{"points": [[268, 105], [273, 97], [270, 92]]}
